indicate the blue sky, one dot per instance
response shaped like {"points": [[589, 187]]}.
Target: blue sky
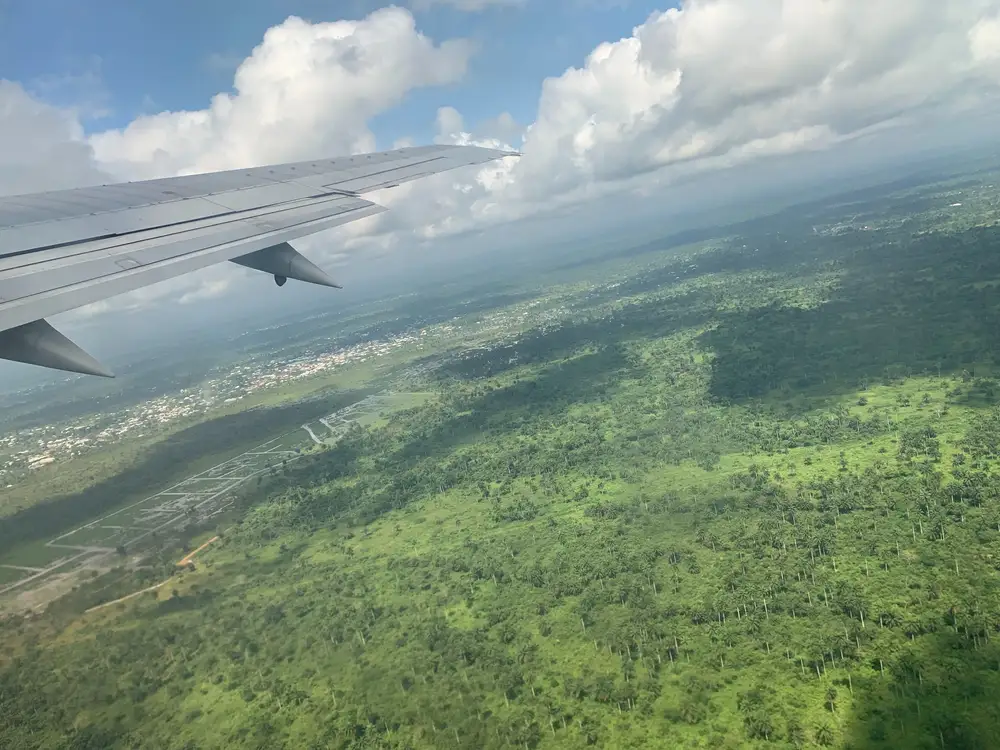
{"points": [[135, 57]]}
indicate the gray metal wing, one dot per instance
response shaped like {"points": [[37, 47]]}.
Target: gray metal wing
{"points": [[65, 249]]}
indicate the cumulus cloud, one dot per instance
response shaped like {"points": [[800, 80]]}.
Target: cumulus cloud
{"points": [[721, 81], [984, 39], [708, 85], [503, 128], [449, 124], [307, 89], [450, 128], [43, 147], [716, 83]]}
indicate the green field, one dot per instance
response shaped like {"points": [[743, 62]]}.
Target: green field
{"points": [[741, 495], [8, 575], [33, 555], [381, 413], [131, 474]]}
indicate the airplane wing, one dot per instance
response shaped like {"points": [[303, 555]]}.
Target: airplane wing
{"points": [[68, 248]]}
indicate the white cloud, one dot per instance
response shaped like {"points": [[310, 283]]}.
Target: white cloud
{"points": [[984, 39], [41, 147], [450, 128], [718, 76], [708, 85], [209, 290], [503, 128], [449, 124], [721, 82], [307, 89]]}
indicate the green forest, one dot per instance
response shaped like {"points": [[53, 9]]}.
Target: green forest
{"points": [[745, 496]]}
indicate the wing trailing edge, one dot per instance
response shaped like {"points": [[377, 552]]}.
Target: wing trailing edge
{"points": [[65, 249]]}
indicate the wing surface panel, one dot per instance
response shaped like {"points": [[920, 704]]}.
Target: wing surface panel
{"points": [[355, 174], [37, 290], [63, 249]]}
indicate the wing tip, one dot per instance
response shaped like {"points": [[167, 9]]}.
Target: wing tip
{"points": [[499, 153], [486, 152]]}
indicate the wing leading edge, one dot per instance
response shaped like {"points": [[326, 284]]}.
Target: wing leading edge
{"points": [[65, 249]]}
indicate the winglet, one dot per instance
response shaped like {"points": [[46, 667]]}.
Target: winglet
{"points": [[38, 343], [284, 261]]}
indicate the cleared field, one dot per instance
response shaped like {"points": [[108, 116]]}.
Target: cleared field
{"points": [[378, 411], [205, 495], [194, 498], [374, 410], [33, 555], [10, 575], [95, 536], [89, 549], [73, 492]]}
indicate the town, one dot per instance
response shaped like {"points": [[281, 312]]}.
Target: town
{"points": [[24, 451]]}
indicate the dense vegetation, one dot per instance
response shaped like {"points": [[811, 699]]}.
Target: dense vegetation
{"points": [[743, 498]]}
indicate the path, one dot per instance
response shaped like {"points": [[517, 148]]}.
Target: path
{"points": [[124, 598], [190, 555], [180, 564], [205, 492], [312, 434]]}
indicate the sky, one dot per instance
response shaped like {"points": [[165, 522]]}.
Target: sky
{"points": [[624, 110], [111, 66]]}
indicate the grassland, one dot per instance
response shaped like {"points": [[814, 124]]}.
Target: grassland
{"points": [[740, 495]]}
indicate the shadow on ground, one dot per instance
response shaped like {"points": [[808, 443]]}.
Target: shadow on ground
{"points": [[167, 461], [648, 319], [931, 305], [514, 407], [939, 692]]}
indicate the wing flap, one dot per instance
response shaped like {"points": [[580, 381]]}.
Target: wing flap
{"points": [[64, 249], [263, 195], [356, 174], [36, 289]]}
